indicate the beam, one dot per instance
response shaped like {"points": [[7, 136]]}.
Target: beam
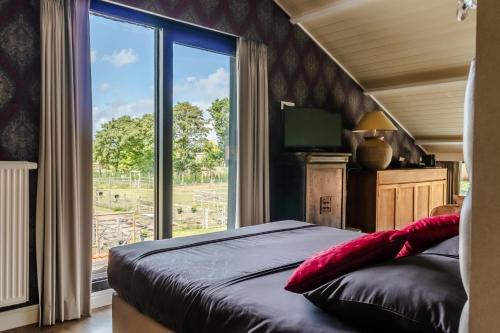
{"points": [[439, 141], [449, 157], [333, 7], [446, 77], [417, 85]]}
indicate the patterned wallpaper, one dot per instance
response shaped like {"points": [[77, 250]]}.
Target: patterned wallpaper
{"points": [[299, 71], [19, 79], [20, 96]]}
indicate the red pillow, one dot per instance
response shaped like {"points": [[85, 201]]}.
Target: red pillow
{"points": [[428, 232], [346, 257]]}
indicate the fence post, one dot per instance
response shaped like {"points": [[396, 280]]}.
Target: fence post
{"points": [[97, 237], [133, 228], [205, 218], [119, 228]]}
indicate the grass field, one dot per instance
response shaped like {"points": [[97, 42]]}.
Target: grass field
{"points": [[183, 195], [192, 232]]}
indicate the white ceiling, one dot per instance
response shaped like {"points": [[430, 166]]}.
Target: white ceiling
{"points": [[411, 56]]}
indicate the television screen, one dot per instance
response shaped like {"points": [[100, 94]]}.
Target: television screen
{"points": [[310, 129]]}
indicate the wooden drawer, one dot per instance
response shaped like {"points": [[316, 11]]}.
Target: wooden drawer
{"points": [[388, 177]]}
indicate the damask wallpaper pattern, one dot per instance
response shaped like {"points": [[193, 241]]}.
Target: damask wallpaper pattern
{"points": [[299, 71], [20, 97], [19, 79]]}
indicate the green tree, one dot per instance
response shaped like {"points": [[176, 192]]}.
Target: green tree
{"points": [[219, 114], [125, 144], [190, 136], [211, 157]]}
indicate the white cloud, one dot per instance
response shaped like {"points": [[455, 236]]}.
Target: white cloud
{"points": [[121, 58], [104, 86], [203, 91], [103, 114], [93, 55], [199, 91]]}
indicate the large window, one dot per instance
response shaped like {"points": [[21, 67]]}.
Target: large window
{"points": [[163, 114]]}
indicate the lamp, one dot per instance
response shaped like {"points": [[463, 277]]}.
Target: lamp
{"points": [[374, 153]]}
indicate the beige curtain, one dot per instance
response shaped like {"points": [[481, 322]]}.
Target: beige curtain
{"points": [[252, 195], [466, 213], [64, 198], [454, 178]]}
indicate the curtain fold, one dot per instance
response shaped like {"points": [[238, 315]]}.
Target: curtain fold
{"points": [[64, 194], [252, 195], [454, 178], [466, 213]]}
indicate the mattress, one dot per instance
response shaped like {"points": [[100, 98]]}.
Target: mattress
{"points": [[229, 281]]}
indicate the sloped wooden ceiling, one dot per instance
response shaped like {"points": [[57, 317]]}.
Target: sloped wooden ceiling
{"points": [[411, 56]]}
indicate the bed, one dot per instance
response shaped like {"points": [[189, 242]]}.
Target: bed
{"points": [[229, 281]]}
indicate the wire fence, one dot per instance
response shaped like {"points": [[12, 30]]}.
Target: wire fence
{"points": [[124, 210], [137, 179]]}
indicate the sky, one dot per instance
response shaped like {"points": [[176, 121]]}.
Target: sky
{"points": [[122, 56]]}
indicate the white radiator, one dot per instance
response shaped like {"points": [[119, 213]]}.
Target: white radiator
{"points": [[14, 219]]}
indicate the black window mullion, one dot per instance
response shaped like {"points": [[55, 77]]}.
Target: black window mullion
{"points": [[233, 148], [165, 138]]}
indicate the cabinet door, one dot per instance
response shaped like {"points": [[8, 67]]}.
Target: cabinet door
{"points": [[422, 200], [386, 208], [438, 197], [405, 204], [325, 194]]}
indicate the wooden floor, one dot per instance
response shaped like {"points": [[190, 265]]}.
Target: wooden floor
{"points": [[100, 322]]}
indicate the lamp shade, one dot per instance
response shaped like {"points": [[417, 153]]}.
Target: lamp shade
{"points": [[375, 121]]}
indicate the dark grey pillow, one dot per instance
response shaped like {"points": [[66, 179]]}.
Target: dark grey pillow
{"points": [[422, 293], [447, 248]]}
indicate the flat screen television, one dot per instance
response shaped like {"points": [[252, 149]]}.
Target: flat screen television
{"points": [[309, 129]]}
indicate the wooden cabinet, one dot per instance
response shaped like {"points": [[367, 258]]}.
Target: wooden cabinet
{"points": [[391, 199], [326, 189]]}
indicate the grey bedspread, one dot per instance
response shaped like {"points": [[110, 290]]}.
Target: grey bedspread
{"points": [[226, 282]]}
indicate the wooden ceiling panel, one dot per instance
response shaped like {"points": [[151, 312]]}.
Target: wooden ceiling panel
{"points": [[434, 110], [406, 40], [411, 56]]}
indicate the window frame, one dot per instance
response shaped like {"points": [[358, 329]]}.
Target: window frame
{"points": [[168, 32]]}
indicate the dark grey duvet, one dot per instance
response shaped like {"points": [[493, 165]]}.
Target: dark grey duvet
{"points": [[226, 282]]}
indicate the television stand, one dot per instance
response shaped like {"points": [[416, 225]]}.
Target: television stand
{"points": [[325, 199], [311, 187]]}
